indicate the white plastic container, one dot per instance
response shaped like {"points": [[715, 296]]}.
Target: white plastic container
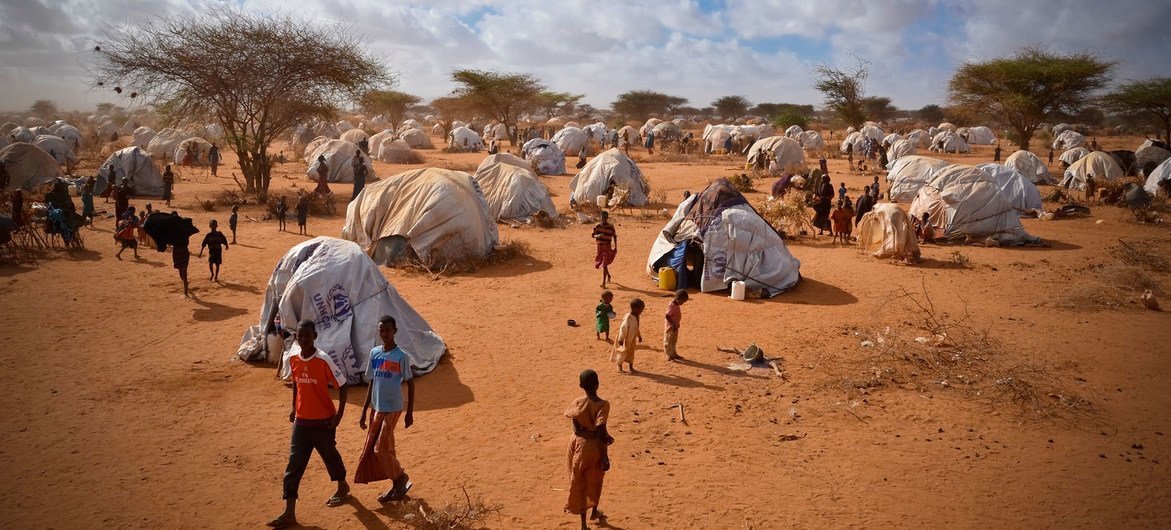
{"points": [[601, 201], [737, 290]]}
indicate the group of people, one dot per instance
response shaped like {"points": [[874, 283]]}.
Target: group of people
{"points": [[839, 220]]}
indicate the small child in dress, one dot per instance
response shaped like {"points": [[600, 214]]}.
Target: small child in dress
{"points": [[841, 223], [233, 221], [602, 314], [628, 336], [282, 213]]}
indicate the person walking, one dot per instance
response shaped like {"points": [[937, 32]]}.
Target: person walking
{"points": [[213, 158], [322, 177], [388, 370], [168, 184], [359, 167], [589, 459]]}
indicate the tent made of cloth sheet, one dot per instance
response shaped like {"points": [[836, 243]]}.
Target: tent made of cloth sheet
{"points": [[465, 139], [354, 136], [811, 141], [1160, 175], [163, 144], [1019, 190], [715, 136], [965, 201], [1069, 157], [786, 151], [395, 151], [378, 138], [890, 139], [142, 137], [416, 138], [28, 166], [949, 142], [513, 192], [733, 240], [1150, 155], [26, 135], [68, 133], [339, 158], [571, 140], [202, 147], [331, 282], [670, 130], [793, 131], [1029, 165], [504, 158], [549, 158], [56, 146], [980, 135], [434, 214], [900, 148], [872, 132], [886, 232], [920, 138], [1097, 164], [629, 134], [1069, 140], [610, 167], [909, 173], [854, 141], [134, 163]]}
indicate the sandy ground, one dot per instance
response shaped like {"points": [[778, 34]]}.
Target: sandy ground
{"points": [[129, 409]]}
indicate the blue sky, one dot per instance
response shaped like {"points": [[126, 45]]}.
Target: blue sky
{"points": [[698, 49]]}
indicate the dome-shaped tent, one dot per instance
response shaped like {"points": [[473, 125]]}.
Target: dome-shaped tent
{"points": [[898, 149], [343, 126], [1069, 140], [964, 201], [503, 158], [890, 139], [981, 135], [331, 282], [886, 232], [395, 151], [21, 134], [465, 139], [546, 155], [416, 138], [872, 132], [920, 138], [947, 126], [1159, 178], [165, 141], [854, 141], [1071, 156], [735, 241], [785, 150], [339, 156], [134, 163], [1029, 165], [57, 148], [28, 166], [629, 134], [609, 167], [70, 134], [949, 142], [354, 136], [811, 141], [1097, 164], [434, 214], [142, 137], [1150, 155], [571, 140], [411, 124], [107, 129], [513, 192], [909, 173], [793, 131], [1017, 188], [378, 138], [200, 145]]}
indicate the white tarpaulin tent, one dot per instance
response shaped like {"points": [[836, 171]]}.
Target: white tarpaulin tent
{"points": [[785, 150], [598, 132], [1097, 164], [395, 151], [142, 137], [331, 282], [715, 136], [737, 243], [891, 138], [571, 140], [920, 138], [513, 191], [1069, 140], [900, 148], [610, 167], [1029, 165], [854, 141], [909, 173], [202, 147], [886, 232], [69, 133], [811, 141], [505, 158], [1161, 174], [1019, 190], [57, 148], [793, 131], [339, 158], [437, 214], [1073, 155], [465, 139], [947, 126], [949, 142], [343, 126], [549, 158], [981, 135], [377, 139], [1150, 155], [416, 138], [135, 163], [872, 132], [24, 134], [354, 135], [629, 134], [163, 144], [964, 201], [28, 166]]}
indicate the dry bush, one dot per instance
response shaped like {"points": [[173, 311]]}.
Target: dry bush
{"points": [[788, 215], [743, 183], [503, 253], [207, 205], [950, 354], [469, 513], [1132, 254], [958, 259], [318, 205]]}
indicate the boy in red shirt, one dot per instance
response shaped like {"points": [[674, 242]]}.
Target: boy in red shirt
{"points": [[673, 318], [314, 420]]}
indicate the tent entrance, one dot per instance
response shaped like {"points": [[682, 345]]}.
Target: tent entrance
{"points": [[392, 249]]}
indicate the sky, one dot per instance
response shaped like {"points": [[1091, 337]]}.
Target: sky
{"points": [[764, 50]]}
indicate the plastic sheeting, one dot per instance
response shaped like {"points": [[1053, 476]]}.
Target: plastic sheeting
{"points": [[785, 150], [339, 156], [549, 158], [571, 140], [395, 151], [964, 201], [1029, 165], [512, 191], [135, 163], [1073, 155], [886, 232], [330, 282], [465, 139], [898, 149], [57, 148], [28, 166], [1097, 164], [909, 173], [1019, 190], [1162, 173], [610, 166], [1069, 139], [417, 139]]}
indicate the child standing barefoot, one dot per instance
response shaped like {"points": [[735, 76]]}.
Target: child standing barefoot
{"points": [[233, 221], [673, 318], [282, 213], [302, 214], [588, 456], [602, 315], [628, 336]]}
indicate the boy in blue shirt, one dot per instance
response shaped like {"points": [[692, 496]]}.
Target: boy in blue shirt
{"points": [[389, 368]]}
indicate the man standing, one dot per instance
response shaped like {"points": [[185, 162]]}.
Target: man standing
{"points": [[389, 368], [121, 195], [168, 184], [213, 158], [314, 420], [359, 166], [996, 154]]}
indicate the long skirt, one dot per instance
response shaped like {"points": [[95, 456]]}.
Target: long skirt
{"points": [[379, 460], [585, 475], [821, 215]]}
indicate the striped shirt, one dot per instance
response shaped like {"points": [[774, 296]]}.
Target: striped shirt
{"points": [[604, 232]]}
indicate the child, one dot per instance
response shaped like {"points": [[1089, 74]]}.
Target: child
{"points": [[875, 191], [673, 317], [234, 220], [142, 237], [841, 220], [842, 191], [925, 232], [602, 314], [282, 212], [389, 368], [628, 335], [588, 456], [607, 242], [302, 215], [213, 240], [126, 234], [1051, 157]]}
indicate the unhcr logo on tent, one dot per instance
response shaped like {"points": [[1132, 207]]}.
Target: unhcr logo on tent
{"points": [[341, 303], [323, 314]]}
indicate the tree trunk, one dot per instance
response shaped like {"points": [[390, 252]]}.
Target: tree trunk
{"points": [[1025, 136]]}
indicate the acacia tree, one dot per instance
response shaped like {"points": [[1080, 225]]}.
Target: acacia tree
{"points": [[447, 110], [844, 91], [732, 106], [1022, 91], [1151, 98], [879, 108], [258, 76], [391, 104], [501, 96], [45, 109], [642, 104], [932, 114], [555, 103]]}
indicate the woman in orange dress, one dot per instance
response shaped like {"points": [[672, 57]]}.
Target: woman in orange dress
{"points": [[588, 458]]}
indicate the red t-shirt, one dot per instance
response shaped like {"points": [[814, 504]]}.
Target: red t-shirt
{"points": [[313, 378]]}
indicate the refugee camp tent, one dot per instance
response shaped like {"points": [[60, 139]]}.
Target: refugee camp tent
{"points": [[1060, 128], [900, 148], [1069, 140], [339, 158], [465, 139], [670, 130], [793, 131], [811, 141], [513, 191], [1096, 164], [1017, 188], [610, 167], [886, 232], [572, 124], [432, 214], [1029, 165], [630, 134], [785, 150], [28, 166], [872, 131], [33, 121], [142, 137], [343, 126], [107, 129], [331, 282], [377, 139], [202, 146], [395, 151], [1073, 155], [547, 156], [981, 135], [56, 147], [891, 138], [571, 140], [21, 134], [648, 126], [417, 139], [598, 132], [312, 146], [964, 201], [726, 240], [165, 141], [949, 142], [355, 135], [70, 134], [947, 126], [128, 127], [920, 138], [411, 124], [715, 136], [503, 158], [134, 163], [1150, 155], [4, 141], [909, 173], [855, 141], [1157, 179]]}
